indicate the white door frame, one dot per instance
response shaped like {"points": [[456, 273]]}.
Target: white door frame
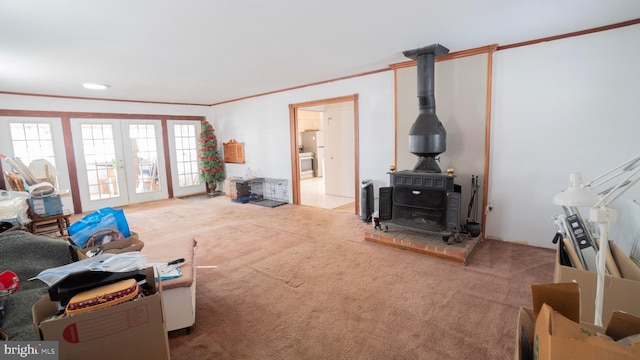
{"points": [[6, 148], [162, 190], [123, 168], [175, 181], [293, 131]]}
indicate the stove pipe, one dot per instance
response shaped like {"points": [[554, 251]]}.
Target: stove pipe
{"points": [[427, 137]]}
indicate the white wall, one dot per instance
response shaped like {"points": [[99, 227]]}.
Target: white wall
{"points": [[262, 123], [18, 102], [558, 107], [561, 106]]}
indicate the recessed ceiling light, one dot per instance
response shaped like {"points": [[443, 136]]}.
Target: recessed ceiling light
{"points": [[93, 86]]}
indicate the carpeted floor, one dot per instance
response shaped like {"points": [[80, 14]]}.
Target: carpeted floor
{"points": [[346, 207], [295, 282]]}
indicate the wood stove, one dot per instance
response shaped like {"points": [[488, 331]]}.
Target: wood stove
{"points": [[423, 199], [423, 202]]}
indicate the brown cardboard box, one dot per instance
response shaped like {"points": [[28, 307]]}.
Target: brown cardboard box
{"points": [[558, 338], [231, 187], [544, 333], [132, 243], [524, 334], [619, 294], [131, 330]]}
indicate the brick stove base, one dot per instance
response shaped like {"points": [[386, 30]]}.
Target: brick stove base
{"points": [[458, 251]]}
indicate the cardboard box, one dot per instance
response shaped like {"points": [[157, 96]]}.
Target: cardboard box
{"points": [[619, 294], [231, 188], [46, 206], [242, 188], [131, 330], [132, 243], [551, 331], [524, 334]]}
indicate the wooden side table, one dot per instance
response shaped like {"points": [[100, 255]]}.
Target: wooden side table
{"points": [[48, 224]]}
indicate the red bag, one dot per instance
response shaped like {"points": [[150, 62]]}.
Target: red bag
{"points": [[9, 283]]}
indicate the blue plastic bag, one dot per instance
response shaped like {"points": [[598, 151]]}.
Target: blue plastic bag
{"points": [[123, 225], [103, 218]]}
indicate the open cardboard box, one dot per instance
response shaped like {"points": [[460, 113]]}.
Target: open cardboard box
{"points": [[131, 243], [552, 329], [619, 293], [132, 330]]}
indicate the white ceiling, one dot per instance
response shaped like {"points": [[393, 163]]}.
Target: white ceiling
{"points": [[210, 51]]}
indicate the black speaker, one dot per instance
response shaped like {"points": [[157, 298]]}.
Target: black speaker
{"points": [[385, 203], [366, 200]]}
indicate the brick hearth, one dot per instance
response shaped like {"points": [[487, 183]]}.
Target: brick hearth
{"points": [[458, 250]]}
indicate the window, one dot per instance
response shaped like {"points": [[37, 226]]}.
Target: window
{"points": [[186, 154], [32, 141]]}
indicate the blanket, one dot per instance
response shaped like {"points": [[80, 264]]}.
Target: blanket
{"points": [[27, 255]]}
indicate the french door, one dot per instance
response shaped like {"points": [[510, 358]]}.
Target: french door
{"points": [[34, 138], [183, 147], [118, 161]]}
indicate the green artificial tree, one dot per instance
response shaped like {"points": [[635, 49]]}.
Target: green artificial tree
{"points": [[211, 166]]}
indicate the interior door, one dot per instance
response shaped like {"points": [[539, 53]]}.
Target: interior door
{"points": [[339, 150], [118, 162]]}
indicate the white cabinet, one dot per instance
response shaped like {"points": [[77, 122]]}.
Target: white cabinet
{"points": [[309, 120]]}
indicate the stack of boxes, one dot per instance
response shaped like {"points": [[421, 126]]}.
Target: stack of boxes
{"points": [[554, 330], [130, 330], [238, 189], [566, 330]]}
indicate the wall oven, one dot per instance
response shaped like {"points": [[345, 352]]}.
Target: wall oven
{"points": [[306, 165]]}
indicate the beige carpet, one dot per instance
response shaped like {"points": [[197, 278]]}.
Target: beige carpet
{"points": [[295, 282], [350, 207]]}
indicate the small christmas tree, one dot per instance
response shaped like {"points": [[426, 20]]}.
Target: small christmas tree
{"points": [[211, 166]]}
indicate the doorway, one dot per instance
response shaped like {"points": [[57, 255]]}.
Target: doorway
{"points": [[324, 153], [119, 162]]}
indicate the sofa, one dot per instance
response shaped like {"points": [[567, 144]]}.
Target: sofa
{"points": [[27, 255]]}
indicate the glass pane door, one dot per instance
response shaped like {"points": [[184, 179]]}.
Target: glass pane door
{"points": [[100, 163], [119, 162], [183, 148], [36, 140], [145, 160]]}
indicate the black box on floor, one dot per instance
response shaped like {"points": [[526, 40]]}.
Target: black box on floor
{"points": [[243, 189]]}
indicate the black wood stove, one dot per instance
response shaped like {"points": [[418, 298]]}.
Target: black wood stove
{"points": [[423, 199]]}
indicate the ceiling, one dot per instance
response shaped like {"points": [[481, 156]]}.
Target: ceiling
{"points": [[212, 51]]}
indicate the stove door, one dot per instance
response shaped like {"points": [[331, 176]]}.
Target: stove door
{"points": [[423, 209]]}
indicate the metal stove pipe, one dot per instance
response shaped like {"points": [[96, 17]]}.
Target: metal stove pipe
{"points": [[427, 137]]}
